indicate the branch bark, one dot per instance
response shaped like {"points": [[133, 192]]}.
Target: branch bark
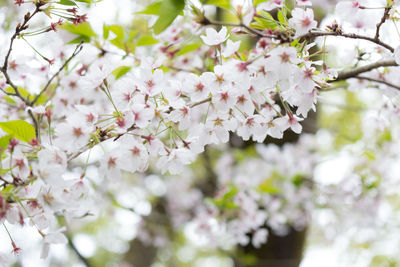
{"points": [[353, 73], [383, 20], [378, 81], [312, 34]]}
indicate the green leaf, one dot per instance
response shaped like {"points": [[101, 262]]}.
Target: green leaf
{"points": [[369, 154], [121, 71], [188, 48], [9, 100], [66, 3], [266, 15], [169, 10], [282, 17], [152, 9], [106, 32], [298, 179], [83, 29], [4, 141], [21, 90], [146, 39], [119, 31], [226, 201], [19, 129], [267, 186], [80, 39], [219, 3], [266, 21], [256, 2]]}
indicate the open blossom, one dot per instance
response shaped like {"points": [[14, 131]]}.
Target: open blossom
{"points": [[244, 11], [254, 126], [74, 133], [302, 21], [355, 13], [213, 37], [347, 9], [166, 110], [196, 86], [52, 238], [173, 160], [134, 155], [269, 5], [151, 83], [230, 48], [259, 237], [291, 122]]}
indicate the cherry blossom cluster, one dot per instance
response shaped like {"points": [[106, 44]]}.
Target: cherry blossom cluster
{"points": [[164, 110]]}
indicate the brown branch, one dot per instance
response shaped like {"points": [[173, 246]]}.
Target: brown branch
{"points": [[77, 50], [312, 34], [200, 102], [35, 123], [353, 73], [18, 30], [383, 20], [378, 81]]}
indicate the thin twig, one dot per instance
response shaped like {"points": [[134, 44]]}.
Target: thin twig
{"points": [[18, 30], [200, 102], [76, 52], [378, 81], [383, 19], [353, 73], [347, 35]]}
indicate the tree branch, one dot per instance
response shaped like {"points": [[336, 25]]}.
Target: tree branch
{"points": [[378, 81], [353, 73], [200, 102], [18, 30], [383, 19], [347, 35]]}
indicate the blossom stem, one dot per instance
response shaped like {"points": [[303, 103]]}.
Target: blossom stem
{"points": [[77, 50], [30, 217], [8, 233], [34, 49]]}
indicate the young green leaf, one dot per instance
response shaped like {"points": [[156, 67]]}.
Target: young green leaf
{"points": [[121, 71], [66, 3], [152, 9], [188, 48], [19, 129], [169, 10], [146, 39], [219, 3]]}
